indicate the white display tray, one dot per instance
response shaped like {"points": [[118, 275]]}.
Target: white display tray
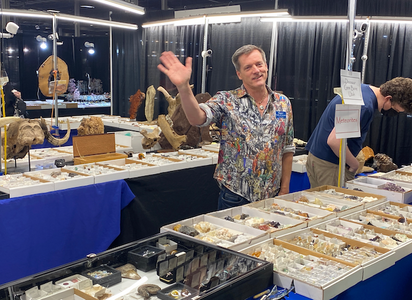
{"points": [[324, 292], [352, 206], [297, 166], [214, 155], [191, 160], [79, 180], [400, 251], [380, 198], [267, 216], [41, 187], [372, 267], [372, 185], [148, 169], [320, 215], [119, 174], [256, 235]]}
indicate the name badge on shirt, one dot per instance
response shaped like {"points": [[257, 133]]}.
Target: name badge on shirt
{"points": [[280, 114]]}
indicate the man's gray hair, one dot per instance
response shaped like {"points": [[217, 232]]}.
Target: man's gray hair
{"points": [[246, 49]]}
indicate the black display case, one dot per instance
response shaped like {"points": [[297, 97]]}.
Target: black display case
{"points": [[208, 271]]}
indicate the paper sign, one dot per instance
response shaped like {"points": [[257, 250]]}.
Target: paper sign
{"points": [[347, 121], [351, 87]]}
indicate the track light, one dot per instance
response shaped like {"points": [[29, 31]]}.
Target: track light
{"points": [[11, 28]]}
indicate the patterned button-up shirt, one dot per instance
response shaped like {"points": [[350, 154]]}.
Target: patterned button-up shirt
{"points": [[251, 145]]}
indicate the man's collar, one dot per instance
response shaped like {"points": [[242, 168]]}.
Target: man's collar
{"points": [[241, 91]]}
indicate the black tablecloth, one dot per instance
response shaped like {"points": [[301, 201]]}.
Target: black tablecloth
{"points": [[166, 198]]}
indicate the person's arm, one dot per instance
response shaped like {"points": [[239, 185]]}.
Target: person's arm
{"points": [[179, 75], [16, 93], [286, 172], [334, 144]]}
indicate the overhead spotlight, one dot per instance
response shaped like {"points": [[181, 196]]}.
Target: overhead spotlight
{"points": [[43, 45], [90, 46]]}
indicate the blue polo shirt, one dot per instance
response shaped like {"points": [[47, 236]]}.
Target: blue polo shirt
{"points": [[317, 144]]}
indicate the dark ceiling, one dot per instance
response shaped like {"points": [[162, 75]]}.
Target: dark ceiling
{"points": [[155, 10]]}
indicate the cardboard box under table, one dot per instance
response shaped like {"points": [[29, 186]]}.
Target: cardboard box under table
{"points": [[380, 198], [253, 235], [316, 215], [123, 163], [317, 292], [94, 148], [370, 268], [374, 185], [290, 223]]}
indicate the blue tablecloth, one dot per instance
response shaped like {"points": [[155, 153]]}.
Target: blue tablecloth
{"points": [[43, 231]]}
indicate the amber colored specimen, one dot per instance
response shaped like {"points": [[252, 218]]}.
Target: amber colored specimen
{"points": [[135, 101]]}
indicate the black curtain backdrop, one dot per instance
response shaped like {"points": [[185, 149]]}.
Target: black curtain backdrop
{"points": [[136, 56]]}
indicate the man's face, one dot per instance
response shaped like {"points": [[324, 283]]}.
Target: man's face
{"points": [[253, 70]]}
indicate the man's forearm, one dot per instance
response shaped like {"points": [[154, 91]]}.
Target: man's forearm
{"points": [[194, 114], [286, 172]]}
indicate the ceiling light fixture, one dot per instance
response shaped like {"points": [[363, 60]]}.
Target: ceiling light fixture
{"points": [[65, 17], [219, 18], [123, 5]]}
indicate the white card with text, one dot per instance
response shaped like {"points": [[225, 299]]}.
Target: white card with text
{"points": [[350, 83], [347, 121]]}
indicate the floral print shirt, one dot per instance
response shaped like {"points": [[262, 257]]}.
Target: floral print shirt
{"points": [[251, 145]]}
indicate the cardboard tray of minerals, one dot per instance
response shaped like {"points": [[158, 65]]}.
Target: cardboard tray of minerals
{"points": [[38, 186], [299, 163], [375, 185], [317, 292], [190, 160], [397, 176], [65, 182], [199, 151], [136, 168], [165, 164], [402, 209], [370, 202], [246, 235], [339, 207], [347, 227], [85, 169], [385, 259], [315, 215], [290, 224], [50, 154]]}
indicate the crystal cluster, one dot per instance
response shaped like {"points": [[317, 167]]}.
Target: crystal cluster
{"points": [[389, 186]]}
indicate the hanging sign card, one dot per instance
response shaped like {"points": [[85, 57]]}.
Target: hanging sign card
{"points": [[350, 82], [347, 121]]}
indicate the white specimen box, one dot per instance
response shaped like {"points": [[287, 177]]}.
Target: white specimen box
{"points": [[292, 224], [372, 267], [254, 235], [145, 170], [374, 185], [76, 181], [317, 292], [299, 163], [41, 186], [380, 198], [339, 203], [316, 215]]}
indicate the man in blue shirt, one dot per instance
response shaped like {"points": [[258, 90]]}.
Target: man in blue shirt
{"points": [[322, 165]]}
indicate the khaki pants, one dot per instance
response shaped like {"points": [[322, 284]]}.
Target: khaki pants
{"points": [[322, 172]]}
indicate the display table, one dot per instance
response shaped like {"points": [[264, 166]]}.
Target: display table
{"points": [[42, 231]]}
